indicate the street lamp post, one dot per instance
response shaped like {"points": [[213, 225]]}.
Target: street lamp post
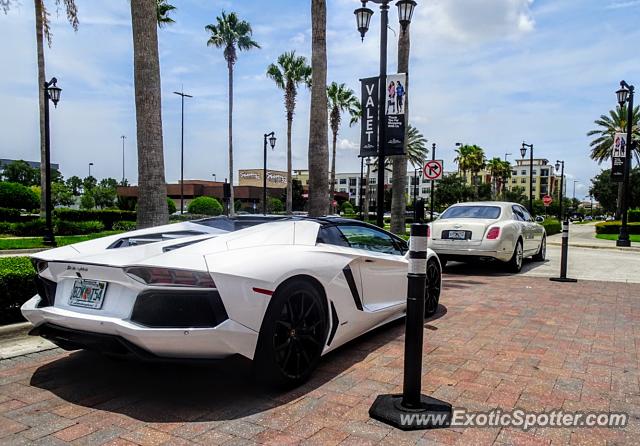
{"points": [[506, 155], [363, 19], [574, 192], [625, 95], [272, 142], [560, 165], [90, 164], [123, 177], [523, 152], [51, 92], [182, 95]]}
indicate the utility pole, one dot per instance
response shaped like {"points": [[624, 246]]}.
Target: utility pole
{"points": [[182, 95]]}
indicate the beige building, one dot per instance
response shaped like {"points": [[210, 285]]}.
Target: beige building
{"points": [[276, 179]]}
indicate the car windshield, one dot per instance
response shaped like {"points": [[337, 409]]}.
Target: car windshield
{"points": [[488, 212]]}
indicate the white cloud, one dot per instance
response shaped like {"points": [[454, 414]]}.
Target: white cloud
{"points": [[346, 144]]}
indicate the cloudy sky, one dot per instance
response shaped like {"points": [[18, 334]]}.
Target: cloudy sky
{"points": [[486, 72]]}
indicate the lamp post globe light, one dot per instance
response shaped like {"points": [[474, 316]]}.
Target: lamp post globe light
{"points": [[90, 164], [625, 96], [363, 20], [523, 152], [51, 93], [271, 138]]}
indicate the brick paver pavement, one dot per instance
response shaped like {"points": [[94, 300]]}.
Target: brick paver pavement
{"points": [[498, 341]]}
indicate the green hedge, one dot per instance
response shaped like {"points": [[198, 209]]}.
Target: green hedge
{"points": [[205, 205], [124, 226], [16, 287], [8, 214], [634, 215], [17, 196], [65, 227], [613, 227], [552, 226], [107, 216]]}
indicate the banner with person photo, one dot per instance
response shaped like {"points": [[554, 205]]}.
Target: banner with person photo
{"points": [[618, 157], [395, 121]]}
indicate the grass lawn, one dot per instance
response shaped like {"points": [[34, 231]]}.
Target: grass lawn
{"points": [[633, 237], [36, 242]]}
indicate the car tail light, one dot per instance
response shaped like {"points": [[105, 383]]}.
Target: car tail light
{"points": [[493, 233], [170, 277]]}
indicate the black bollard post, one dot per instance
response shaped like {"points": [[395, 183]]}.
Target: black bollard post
{"points": [[411, 410], [565, 252]]}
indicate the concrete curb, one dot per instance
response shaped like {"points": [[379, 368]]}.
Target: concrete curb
{"points": [[19, 252], [14, 330], [584, 245]]}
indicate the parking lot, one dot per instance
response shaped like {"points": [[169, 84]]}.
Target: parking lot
{"points": [[497, 341]]}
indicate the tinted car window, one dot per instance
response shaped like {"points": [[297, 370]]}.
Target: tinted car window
{"points": [[490, 212], [517, 213], [525, 214], [331, 236], [361, 237]]}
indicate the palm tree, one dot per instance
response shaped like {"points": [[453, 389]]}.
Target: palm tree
{"points": [[319, 116], [602, 144], [416, 150], [163, 9], [503, 176], [288, 73], [152, 193], [463, 159], [477, 162], [341, 99], [399, 179], [495, 167], [232, 34]]}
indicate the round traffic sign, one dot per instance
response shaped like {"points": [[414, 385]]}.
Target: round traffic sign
{"points": [[432, 169], [547, 200]]}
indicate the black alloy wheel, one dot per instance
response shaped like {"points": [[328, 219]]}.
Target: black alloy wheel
{"points": [[433, 285], [292, 336]]}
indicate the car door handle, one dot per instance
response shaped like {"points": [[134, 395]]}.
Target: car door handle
{"points": [[369, 261]]}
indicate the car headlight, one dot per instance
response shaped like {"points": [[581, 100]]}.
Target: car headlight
{"points": [[170, 277]]}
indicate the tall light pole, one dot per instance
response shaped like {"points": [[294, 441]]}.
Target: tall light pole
{"points": [[123, 177], [506, 155], [625, 96], [271, 137], [363, 19], [560, 165], [90, 164], [574, 190], [182, 95], [523, 152], [51, 92]]}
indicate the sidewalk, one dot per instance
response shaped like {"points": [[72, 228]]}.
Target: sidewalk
{"points": [[583, 236]]}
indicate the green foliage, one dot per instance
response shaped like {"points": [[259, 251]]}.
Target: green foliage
{"points": [[18, 196], [75, 184], [237, 205], [205, 206], [61, 195], [515, 195], [87, 202], [162, 11], [66, 227], [613, 227], [633, 215], [104, 196], [21, 172], [126, 203], [9, 215], [16, 287], [107, 216], [171, 205], [37, 242], [125, 226], [552, 226], [608, 126], [89, 183], [452, 189], [274, 205], [606, 191], [347, 208], [27, 228]]}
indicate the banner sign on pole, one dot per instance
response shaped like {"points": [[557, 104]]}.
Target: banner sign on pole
{"points": [[369, 119], [618, 157], [395, 101]]}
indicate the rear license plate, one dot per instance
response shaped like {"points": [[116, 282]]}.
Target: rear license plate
{"points": [[88, 293], [456, 235]]}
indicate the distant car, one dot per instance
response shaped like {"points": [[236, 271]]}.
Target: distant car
{"points": [[610, 218], [488, 230], [588, 218]]}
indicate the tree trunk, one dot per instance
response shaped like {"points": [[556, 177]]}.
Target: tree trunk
{"points": [[332, 180], [41, 80], [318, 125], [152, 189], [289, 204], [231, 196], [399, 182]]}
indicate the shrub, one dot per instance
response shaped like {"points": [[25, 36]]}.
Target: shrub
{"points": [[633, 215], [347, 208], [171, 205], [274, 205], [205, 206], [613, 227], [66, 227], [16, 287], [8, 214], [28, 228], [552, 226], [107, 216], [124, 226], [17, 196], [186, 217]]}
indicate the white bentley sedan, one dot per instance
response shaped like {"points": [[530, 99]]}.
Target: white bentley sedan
{"points": [[488, 230]]}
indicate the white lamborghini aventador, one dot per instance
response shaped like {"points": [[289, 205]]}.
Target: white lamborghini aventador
{"points": [[281, 292]]}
